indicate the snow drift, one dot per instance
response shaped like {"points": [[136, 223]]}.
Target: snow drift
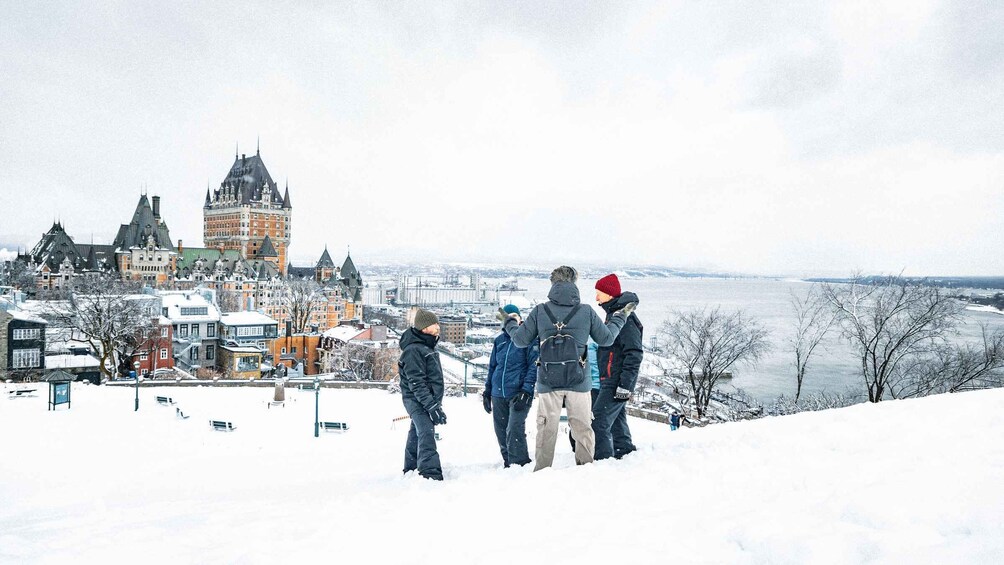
{"points": [[915, 481]]}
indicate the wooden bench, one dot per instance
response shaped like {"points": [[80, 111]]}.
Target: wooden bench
{"points": [[165, 400], [334, 426], [222, 426], [17, 393], [181, 415]]}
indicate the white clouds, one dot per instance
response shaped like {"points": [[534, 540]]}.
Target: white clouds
{"points": [[796, 138]]}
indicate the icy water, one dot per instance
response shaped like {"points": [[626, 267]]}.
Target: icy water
{"points": [[833, 367]]}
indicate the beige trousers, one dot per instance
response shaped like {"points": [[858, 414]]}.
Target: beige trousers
{"points": [[580, 418]]}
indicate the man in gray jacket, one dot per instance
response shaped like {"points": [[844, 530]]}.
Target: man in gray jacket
{"points": [[581, 322]]}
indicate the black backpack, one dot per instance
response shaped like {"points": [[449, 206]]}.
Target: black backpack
{"points": [[560, 364]]}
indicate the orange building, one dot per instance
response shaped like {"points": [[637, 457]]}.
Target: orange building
{"points": [[248, 215], [291, 350]]}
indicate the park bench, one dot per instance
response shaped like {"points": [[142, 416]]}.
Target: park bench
{"points": [[181, 415], [222, 426], [272, 403], [334, 426], [17, 393], [165, 400]]}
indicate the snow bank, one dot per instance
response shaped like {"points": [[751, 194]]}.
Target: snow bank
{"points": [[910, 482]]}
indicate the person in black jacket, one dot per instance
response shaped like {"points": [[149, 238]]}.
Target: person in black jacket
{"points": [[422, 393], [619, 364]]}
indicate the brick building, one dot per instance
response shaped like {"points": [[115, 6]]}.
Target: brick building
{"points": [[247, 214], [453, 329]]}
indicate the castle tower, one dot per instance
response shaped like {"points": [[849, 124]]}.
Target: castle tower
{"points": [[246, 210]]}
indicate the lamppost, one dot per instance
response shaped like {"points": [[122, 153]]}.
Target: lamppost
{"points": [[136, 374], [317, 401]]}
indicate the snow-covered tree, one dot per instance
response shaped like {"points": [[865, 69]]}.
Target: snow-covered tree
{"points": [[954, 368], [707, 344], [17, 274], [813, 320], [230, 301], [892, 325], [105, 313]]}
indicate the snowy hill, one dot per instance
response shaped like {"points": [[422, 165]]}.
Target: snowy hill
{"points": [[908, 482]]}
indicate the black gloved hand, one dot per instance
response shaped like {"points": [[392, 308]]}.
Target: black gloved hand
{"points": [[486, 399], [438, 416], [622, 395], [627, 309], [504, 316], [522, 401]]}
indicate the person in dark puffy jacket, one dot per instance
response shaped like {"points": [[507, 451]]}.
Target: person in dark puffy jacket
{"points": [[619, 364], [421, 376], [512, 372]]}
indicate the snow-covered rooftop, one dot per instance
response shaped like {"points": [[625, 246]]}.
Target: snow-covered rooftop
{"points": [[246, 319], [25, 316], [343, 333], [71, 361], [175, 301]]}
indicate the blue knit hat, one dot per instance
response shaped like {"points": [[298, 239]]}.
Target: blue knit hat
{"points": [[510, 309]]}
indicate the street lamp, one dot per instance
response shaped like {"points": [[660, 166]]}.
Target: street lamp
{"points": [[136, 373], [317, 401]]}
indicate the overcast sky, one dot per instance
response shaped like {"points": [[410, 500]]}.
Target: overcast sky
{"points": [[802, 138]]}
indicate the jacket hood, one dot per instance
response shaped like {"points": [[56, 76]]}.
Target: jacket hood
{"points": [[413, 336], [564, 294], [620, 302]]}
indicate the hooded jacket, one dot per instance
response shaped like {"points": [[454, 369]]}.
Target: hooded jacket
{"points": [[511, 369], [563, 297], [420, 370], [620, 362]]}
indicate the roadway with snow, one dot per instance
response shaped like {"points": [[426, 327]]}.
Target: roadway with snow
{"points": [[918, 481]]}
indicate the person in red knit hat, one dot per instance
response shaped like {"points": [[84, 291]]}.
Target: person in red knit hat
{"points": [[619, 364]]}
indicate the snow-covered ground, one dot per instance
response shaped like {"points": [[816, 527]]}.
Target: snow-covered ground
{"points": [[918, 481]]}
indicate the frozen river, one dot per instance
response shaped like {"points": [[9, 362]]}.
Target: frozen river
{"points": [[833, 368]]}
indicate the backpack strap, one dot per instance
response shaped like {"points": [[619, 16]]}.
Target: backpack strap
{"points": [[568, 318], [561, 325], [550, 315]]}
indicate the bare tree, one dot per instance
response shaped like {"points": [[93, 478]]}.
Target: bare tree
{"points": [[105, 316], [299, 297], [954, 368], [891, 324], [811, 402], [230, 301], [813, 320], [707, 343]]}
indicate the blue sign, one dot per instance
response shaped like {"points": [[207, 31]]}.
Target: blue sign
{"points": [[61, 394]]}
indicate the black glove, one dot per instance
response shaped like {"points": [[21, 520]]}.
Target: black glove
{"points": [[486, 399], [504, 316], [622, 395], [522, 401], [438, 416], [627, 309]]}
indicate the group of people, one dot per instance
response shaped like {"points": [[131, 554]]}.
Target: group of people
{"points": [[563, 354]]}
